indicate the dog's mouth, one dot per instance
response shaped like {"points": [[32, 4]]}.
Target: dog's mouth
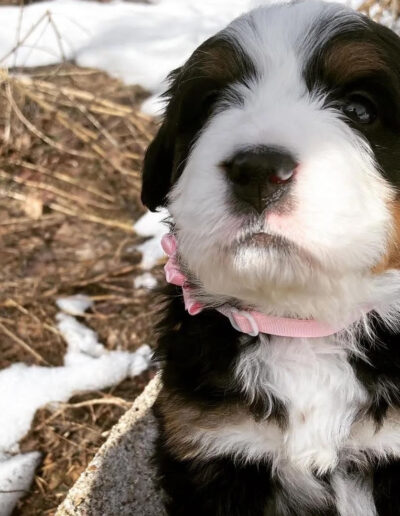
{"points": [[267, 239], [262, 239]]}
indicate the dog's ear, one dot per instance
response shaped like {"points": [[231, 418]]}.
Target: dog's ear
{"points": [[159, 158], [157, 168]]}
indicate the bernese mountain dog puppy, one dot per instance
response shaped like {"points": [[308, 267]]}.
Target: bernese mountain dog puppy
{"points": [[279, 161]]}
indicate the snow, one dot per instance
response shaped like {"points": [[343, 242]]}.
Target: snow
{"points": [[151, 225], [88, 366], [24, 389], [146, 280], [16, 474], [74, 305]]}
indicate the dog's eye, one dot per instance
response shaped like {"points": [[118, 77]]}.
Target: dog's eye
{"points": [[360, 109]]}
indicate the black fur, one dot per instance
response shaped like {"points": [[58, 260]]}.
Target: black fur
{"points": [[380, 372], [387, 489], [203, 368]]}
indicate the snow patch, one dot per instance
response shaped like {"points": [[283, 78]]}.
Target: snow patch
{"points": [[82, 341], [74, 305], [146, 280], [16, 474], [151, 225], [88, 366], [24, 389]]}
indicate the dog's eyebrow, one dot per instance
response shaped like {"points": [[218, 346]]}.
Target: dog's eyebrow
{"points": [[346, 61], [220, 58]]}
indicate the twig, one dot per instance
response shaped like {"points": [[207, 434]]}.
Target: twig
{"points": [[18, 34], [14, 304], [77, 183], [52, 189], [99, 401], [7, 124], [79, 130], [58, 36], [107, 274], [31, 127], [23, 344], [125, 226], [14, 491], [35, 44], [93, 120], [22, 41], [82, 133]]}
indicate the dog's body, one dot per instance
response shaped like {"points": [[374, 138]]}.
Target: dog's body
{"points": [[279, 160]]}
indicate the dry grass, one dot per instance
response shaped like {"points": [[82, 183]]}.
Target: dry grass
{"points": [[71, 144]]}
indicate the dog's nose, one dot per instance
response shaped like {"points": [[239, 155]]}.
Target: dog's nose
{"points": [[260, 176]]}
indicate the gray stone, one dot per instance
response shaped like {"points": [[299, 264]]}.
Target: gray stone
{"points": [[121, 480]]}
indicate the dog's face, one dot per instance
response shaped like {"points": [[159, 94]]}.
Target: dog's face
{"points": [[279, 157]]}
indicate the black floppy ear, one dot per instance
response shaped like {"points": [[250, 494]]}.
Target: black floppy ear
{"points": [[159, 159], [157, 168]]}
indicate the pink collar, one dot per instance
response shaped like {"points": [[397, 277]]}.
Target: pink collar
{"points": [[246, 321]]}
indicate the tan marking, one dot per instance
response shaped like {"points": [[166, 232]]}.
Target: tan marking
{"points": [[215, 60], [391, 259], [183, 419], [349, 60]]}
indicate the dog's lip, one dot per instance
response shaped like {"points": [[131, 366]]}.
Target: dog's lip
{"points": [[263, 238]]}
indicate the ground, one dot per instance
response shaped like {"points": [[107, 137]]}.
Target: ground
{"points": [[71, 144]]}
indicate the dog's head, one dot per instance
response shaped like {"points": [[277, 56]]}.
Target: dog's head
{"points": [[279, 158]]}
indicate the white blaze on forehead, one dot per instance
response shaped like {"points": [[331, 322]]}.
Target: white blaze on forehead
{"points": [[268, 33]]}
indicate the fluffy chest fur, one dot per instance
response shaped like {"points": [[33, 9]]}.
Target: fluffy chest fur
{"points": [[318, 389], [324, 403]]}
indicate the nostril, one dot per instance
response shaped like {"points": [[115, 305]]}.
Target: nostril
{"points": [[282, 176], [238, 170]]}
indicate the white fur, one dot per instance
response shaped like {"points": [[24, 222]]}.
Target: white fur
{"points": [[353, 495], [380, 442]]}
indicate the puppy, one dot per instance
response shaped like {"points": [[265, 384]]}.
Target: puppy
{"points": [[279, 162]]}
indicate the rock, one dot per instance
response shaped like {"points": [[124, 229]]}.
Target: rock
{"points": [[120, 480]]}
